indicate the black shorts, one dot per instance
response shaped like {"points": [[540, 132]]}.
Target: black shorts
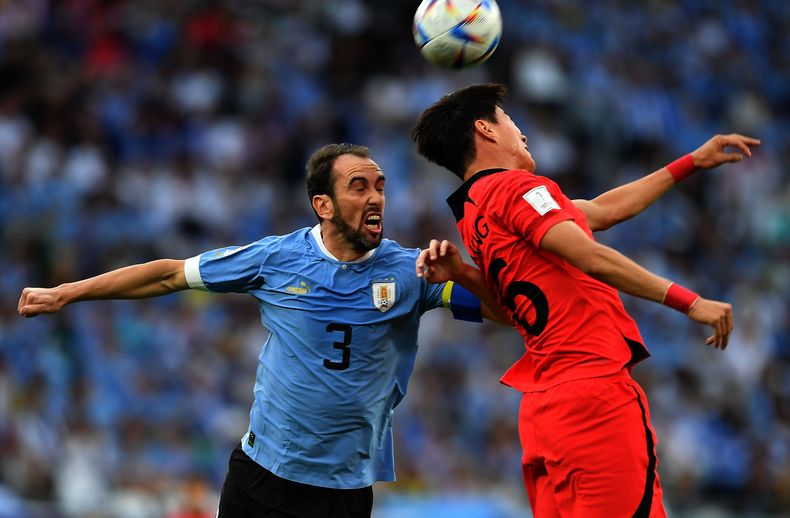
{"points": [[252, 491]]}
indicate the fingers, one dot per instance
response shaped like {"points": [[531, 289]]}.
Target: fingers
{"points": [[24, 300], [745, 141], [30, 304], [443, 248], [722, 328], [742, 142], [420, 264], [722, 335], [32, 310], [730, 325], [434, 249]]}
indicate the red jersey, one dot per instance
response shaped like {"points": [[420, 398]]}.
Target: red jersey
{"points": [[573, 326]]}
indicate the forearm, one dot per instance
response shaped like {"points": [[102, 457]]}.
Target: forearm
{"points": [[472, 279], [613, 268], [150, 279], [626, 201]]}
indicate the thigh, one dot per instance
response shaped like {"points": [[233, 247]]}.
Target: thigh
{"points": [[252, 491], [540, 489], [236, 500], [601, 450]]}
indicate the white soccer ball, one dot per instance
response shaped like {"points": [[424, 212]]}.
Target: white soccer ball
{"points": [[457, 33]]}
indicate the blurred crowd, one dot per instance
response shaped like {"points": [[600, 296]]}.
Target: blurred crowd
{"points": [[132, 130]]}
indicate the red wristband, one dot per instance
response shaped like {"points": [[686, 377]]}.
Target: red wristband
{"points": [[679, 298], [682, 167]]}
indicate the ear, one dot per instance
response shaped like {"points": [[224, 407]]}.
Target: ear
{"points": [[323, 206], [485, 130]]}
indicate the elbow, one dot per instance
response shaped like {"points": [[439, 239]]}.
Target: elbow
{"points": [[611, 219], [611, 215], [172, 276]]}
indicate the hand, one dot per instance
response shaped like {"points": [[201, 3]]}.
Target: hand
{"points": [[716, 314], [37, 301], [712, 153], [440, 262]]}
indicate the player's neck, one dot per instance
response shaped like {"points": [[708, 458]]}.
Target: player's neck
{"points": [[337, 245], [484, 164], [491, 158]]}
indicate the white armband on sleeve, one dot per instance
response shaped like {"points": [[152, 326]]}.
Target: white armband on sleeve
{"points": [[192, 273]]}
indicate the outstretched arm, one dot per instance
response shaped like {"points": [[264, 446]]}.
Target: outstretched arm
{"points": [[628, 200], [568, 241], [132, 282], [442, 262]]}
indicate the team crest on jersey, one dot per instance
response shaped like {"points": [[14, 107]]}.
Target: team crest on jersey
{"points": [[383, 295]]}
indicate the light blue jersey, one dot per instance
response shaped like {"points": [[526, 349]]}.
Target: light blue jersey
{"points": [[341, 347]]}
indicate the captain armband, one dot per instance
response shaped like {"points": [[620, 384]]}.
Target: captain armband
{"points": [[462, 302]]}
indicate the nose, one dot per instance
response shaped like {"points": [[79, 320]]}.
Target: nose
{"points": [[524, 138], [376, 199]]}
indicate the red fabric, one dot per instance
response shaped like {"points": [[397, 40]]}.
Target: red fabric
{"points": [[679, 298], [590, 451], [682, 167], [586, 327]]}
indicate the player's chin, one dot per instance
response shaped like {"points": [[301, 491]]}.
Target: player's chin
{"points": [[373, 239]]}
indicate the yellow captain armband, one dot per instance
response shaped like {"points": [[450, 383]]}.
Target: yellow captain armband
{"points": [[462, 302]]}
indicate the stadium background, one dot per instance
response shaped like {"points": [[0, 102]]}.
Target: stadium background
{"points": [[134, 130]]}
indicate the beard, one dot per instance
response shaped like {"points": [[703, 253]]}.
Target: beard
{"points": [[359, 241]]}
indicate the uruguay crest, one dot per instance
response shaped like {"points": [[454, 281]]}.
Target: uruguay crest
{"points": [[383, 295]]}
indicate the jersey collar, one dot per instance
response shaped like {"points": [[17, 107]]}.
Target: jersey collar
{"points": [[316, 233], [457, 199]]}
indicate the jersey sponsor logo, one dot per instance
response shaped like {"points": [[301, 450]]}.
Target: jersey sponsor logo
{"points": [[383, 295], [541, 200], [302, 289]]}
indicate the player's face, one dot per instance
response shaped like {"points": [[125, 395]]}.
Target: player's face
{"points": [[513, 142], [359, 201]]}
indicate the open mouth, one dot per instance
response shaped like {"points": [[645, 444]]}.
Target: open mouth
{"points": [[373, 222]]}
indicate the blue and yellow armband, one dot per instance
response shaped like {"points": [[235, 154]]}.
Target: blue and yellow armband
{"points": [[462, 302]]}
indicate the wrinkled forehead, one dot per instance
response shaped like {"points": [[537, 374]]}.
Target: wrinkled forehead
{"points": [[349, 166]]}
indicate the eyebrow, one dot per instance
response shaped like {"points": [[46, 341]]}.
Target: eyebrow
{"points": [[379, 178]]}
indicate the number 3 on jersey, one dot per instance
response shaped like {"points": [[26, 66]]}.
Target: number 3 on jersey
{"points": [[526, 289], [341, 346]]}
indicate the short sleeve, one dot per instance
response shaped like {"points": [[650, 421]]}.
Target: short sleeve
{"points": [[432, 295], [226, 270], [530, 206]]}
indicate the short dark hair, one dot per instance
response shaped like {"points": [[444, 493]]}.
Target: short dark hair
{"points": [[445, 132], [319, 167]]}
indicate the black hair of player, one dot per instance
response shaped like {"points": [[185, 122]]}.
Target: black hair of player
{"points": [[445, 132]]}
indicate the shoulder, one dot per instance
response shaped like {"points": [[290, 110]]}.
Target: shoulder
{"points": [[512, 181], [295, 240], [268, 246], [523, 185], [396, 259], [392, 251]]}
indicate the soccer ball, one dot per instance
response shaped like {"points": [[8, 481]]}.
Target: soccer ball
{"points": [[457, 33]]}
